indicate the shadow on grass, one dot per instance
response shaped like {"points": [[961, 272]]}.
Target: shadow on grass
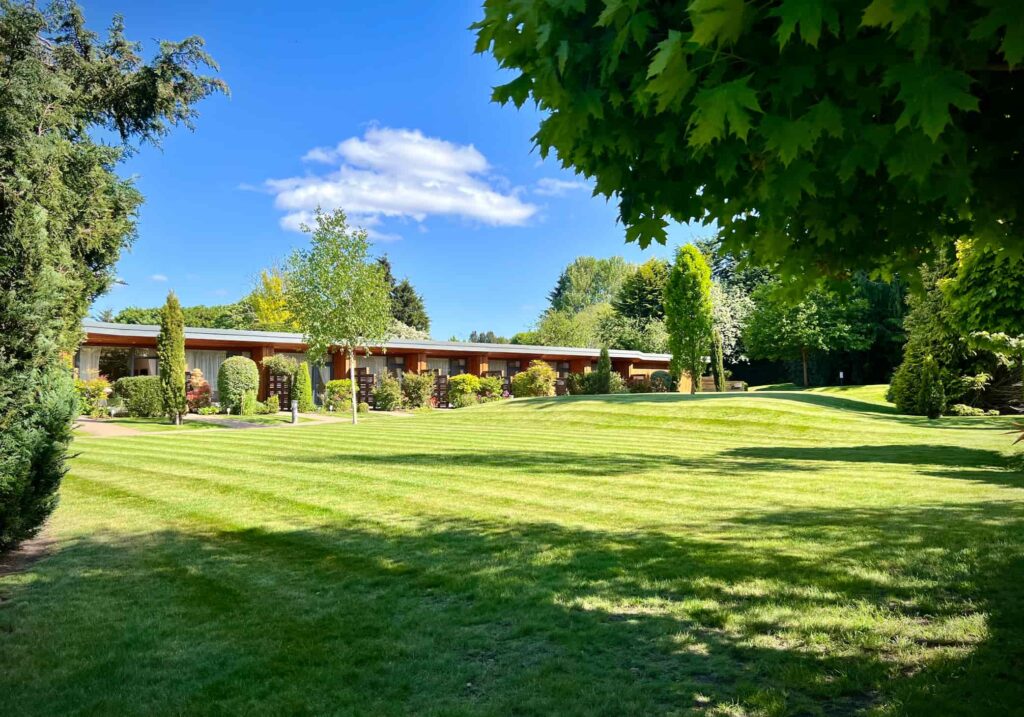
{"points": [[480, 617], [953, 461], [556, 463]]}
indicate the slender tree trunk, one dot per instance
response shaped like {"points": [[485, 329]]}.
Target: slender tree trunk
{"points": [[803, 355], [694, 381], [352, 379]]}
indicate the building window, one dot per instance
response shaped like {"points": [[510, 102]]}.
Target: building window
{"points": [[115, 362], [457, 366], [513, 367], [562, 368], [145, 363], [396, 365]]}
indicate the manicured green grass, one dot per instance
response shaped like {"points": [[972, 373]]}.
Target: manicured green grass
{"points": [[805, 553]]}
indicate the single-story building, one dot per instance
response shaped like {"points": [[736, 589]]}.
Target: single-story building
{"points": [[116, 350]]}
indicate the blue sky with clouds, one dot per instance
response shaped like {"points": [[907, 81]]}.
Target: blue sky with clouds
{"points": [[379, 108]]}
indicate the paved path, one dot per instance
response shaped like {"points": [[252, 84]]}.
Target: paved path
{"points": [[94, 427]]}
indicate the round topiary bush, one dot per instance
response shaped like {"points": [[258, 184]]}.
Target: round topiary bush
{"points": [[462, 390], [238, 374], [538, 380]]}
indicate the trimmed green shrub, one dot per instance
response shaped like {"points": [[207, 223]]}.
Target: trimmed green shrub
{"points": [[665, 379], [931, 397], [461, 400], [208, 410], [417, 389], [537, 380], [273, 404], [717, 361], [387, 395], [303, 392], [249, 406], [338, 395], [237, 375], [490, 388], [92, 395], [281, 365], [142, 395], [460, 388], [363, 407], [641, 385]]}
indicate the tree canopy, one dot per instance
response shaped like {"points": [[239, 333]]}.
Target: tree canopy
{"points": [[337, 293], [588, 281], [642, 294], [688, 314], [407, 305], [821, 137], [65, 215]]}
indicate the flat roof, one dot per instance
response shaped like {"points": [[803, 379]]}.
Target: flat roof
{"points": [[147, 331]]}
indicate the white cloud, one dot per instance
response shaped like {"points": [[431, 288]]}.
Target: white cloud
{"points": [[399, 173], [557, 187], [158, 277]]}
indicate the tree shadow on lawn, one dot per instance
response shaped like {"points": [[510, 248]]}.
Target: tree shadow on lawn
{"points": [[555, 463], [952, 461], [480, 617]]}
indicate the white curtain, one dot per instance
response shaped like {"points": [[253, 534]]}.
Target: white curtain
{"points": [[208, 362], [440, 365], [88, 362], [377, 365], [498, 365]]}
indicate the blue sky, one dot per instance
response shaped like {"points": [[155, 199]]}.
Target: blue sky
{"points": [[382, 109]]}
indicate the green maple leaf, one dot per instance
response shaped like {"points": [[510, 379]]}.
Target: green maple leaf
{"points": [[732, 103], [1008, 15], [563, 56], [894, 14], [647, 229], [716, 21], [610, 13], [786, 137], [518, 90], [670, 78], [826, 118], [810, 15], [927, 91]]}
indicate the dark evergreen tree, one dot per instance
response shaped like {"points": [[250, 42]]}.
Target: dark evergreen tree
{"points": [[603, 373], [65, 216], [642, 295], [717, 363], [170, 349], [407, 306]]}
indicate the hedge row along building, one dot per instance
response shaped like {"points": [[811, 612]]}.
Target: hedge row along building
{"points": [[116, 350]]}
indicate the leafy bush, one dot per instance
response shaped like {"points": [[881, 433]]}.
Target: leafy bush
{"points": [[92, 395], [281, 365], [460, 388], [576, 384], [665, 379], [490, 388], [363, 407], [303, 392], [537, 380], [273, 404], [962, 409], [641, 385], [208, 411], [387, 395], [338, 394], [249, 406], [199, 395], [238, 374], [417, 389], [617, 384], [142, 395], [461, 400], [600, 379]]}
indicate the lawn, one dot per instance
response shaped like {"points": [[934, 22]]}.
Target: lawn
{"points": [[192, 423], [804, 553]]}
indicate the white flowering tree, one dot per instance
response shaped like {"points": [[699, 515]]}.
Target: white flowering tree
{"points": [[337, 292]]}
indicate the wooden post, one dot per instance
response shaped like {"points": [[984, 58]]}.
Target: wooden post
{"points": [[416, 363], [579, 365], [477, 365], [258, 354]]}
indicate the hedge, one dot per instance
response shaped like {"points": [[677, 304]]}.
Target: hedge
{"points": [[142, 395], [238, 374]]}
